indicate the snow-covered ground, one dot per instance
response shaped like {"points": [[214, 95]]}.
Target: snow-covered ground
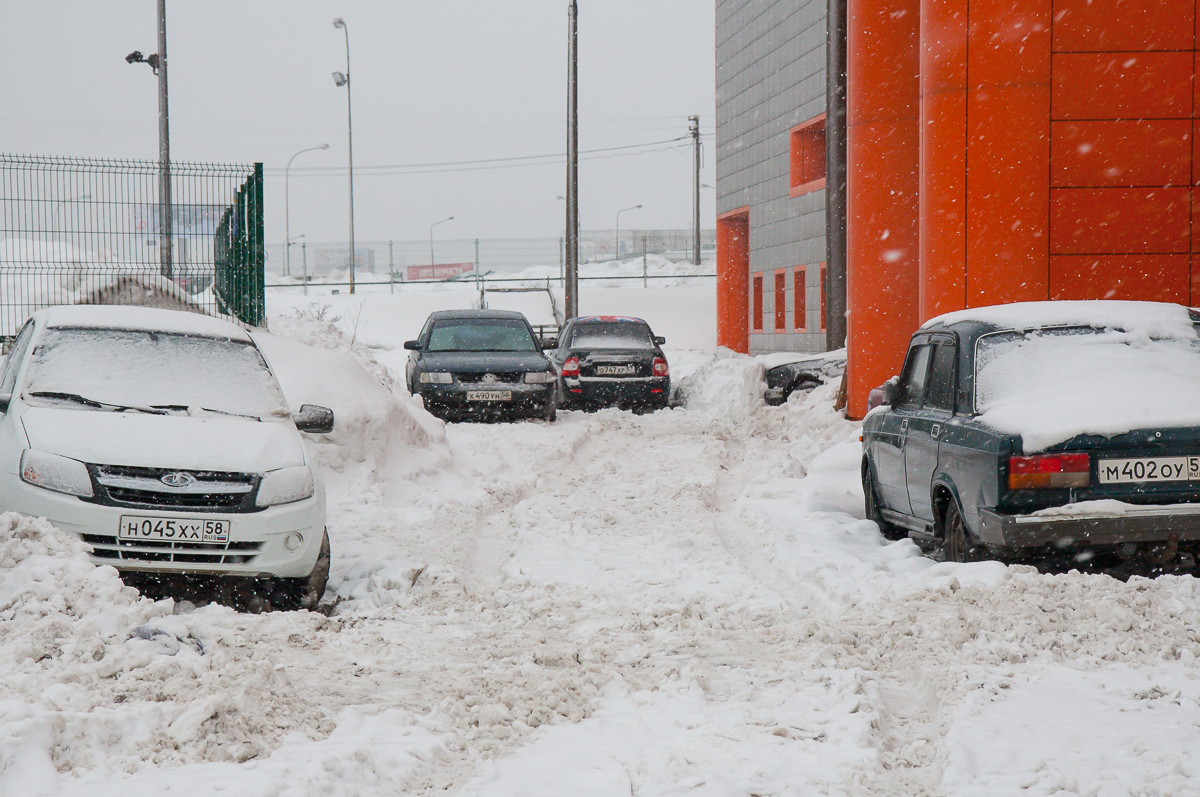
{"points": [[688, 602]]}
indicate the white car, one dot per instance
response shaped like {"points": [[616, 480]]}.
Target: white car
{"points": [[163, 440]]}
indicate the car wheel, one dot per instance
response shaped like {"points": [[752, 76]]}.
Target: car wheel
{"points": [[305, 593], [871, 499], [550, 414], [957, 545]]}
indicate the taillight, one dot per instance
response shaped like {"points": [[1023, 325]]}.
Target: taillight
{"points": [[660, 367], [1049, 472], [570, 368]]}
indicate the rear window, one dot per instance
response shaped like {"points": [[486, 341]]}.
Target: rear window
{"points": [[480, 334], [612, 335]]}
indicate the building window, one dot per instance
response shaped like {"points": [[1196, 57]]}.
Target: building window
{"points": [[800, 297], [808, 156], [757, 320], [781, 301], [822, 297]]}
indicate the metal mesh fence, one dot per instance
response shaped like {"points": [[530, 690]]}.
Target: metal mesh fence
{"points": [[85, 231]]}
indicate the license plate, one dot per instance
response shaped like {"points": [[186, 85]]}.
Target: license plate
{"points": [[1149, 469], [615, 370], [489, 395], [161, 529]]}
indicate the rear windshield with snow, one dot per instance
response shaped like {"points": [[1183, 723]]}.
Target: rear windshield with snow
{"points": [[612, 335], [480, 334], [134, 368], [1050, 384]]}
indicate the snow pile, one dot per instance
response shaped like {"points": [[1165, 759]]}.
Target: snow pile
{"points": [[724, 386], [96, 678], [1147, 319]]}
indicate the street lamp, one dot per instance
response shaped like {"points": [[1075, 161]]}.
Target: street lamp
{"points": [[287, 217], [340, 80], [617, 252], [431, 226]]}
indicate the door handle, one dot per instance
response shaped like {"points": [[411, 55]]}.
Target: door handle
{"points": [[904, 425], [935, 431]]}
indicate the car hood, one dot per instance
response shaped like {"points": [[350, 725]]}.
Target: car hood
{"points": [[163, 441], [454, 361]]}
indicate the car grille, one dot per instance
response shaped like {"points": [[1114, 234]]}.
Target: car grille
{"points": [[209, 553], [500, 377], [203, 491]]}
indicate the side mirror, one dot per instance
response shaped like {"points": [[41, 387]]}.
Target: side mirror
{"points": [[412, 345], [548, 343], [313, 418], [5, 400], [658, 341], [885, 394]]}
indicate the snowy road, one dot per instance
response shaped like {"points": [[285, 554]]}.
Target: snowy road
{"points": [[681, 603]]}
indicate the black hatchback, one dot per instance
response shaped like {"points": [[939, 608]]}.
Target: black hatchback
{"points": [[611, 360], [481, 364]]}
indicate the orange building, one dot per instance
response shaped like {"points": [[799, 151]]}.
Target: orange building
{"points": [[1010, 150]]}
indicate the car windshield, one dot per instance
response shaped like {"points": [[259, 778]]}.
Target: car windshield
{"points": [[92, 368], [480, 334], [612, 335]]}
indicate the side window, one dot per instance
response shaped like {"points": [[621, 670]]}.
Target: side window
{"points": [[9, 380], [423, 338], [939, 393], [916, 373]]}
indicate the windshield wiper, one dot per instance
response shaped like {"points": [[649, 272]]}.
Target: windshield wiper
{"points": [[186, 407], [75, 398]]}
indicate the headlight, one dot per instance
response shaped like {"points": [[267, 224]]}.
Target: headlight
{"points": [[539, 378], [52, 472], [285, 486], [436, 378]]}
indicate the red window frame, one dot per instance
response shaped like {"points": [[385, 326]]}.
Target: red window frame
{"points": [[800, 298], [781, 300], [807, 145], [756, 321]]}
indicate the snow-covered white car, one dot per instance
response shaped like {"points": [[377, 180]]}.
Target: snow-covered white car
{"points": [[163, 440]]}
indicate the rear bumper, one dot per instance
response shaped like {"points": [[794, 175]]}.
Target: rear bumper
{"points": [[650, 391], [1135, 523]]}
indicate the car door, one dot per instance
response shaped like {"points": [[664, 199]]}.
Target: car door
{"points": [[925, 426], [890, 473]]}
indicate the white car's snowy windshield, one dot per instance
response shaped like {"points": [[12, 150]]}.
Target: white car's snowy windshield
{"points": [[1075, 364], [113, 368], [481, 334], [612, 335]]}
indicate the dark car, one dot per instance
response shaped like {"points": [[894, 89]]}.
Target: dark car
{"points": [[788, 373], [1061, 429], [611, 361], [481, 364]]}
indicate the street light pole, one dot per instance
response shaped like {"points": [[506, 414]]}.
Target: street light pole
{"points": [[344, 80], [158, 62], [571, 268], [431, 226], [287, 216], [617, 237], [695, 131]]}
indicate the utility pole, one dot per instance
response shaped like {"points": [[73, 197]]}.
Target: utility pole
{"points": [[571, 288], [158, 62], [695, 130]]}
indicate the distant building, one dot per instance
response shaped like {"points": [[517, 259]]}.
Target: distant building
{"points": [[991, 152]]}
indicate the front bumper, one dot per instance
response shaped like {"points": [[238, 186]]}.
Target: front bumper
{"points": [[1134, 523], [256, 547], [643, 390], [452, 399]]}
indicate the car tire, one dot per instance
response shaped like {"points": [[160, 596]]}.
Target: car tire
{"points": [[871, 506], [550, 414], [957, 545], [304, 593]]}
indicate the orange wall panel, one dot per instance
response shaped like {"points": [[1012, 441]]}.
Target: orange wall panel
{"points": [[883, 145], [943, 192], [733, 280], [1128, 85], [1148, 278], [1108, 25], [1120, 220], [1121, 153]]}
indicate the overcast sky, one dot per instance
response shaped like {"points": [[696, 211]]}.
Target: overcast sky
{"points": [[453, 80]]}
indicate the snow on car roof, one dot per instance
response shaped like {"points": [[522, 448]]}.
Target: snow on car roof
{"points": [[99, 316], [1154, 319], [610, 318]]}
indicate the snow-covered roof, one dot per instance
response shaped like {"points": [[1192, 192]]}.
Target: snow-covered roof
{"points": [[1154, 319], [102, 316]]}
